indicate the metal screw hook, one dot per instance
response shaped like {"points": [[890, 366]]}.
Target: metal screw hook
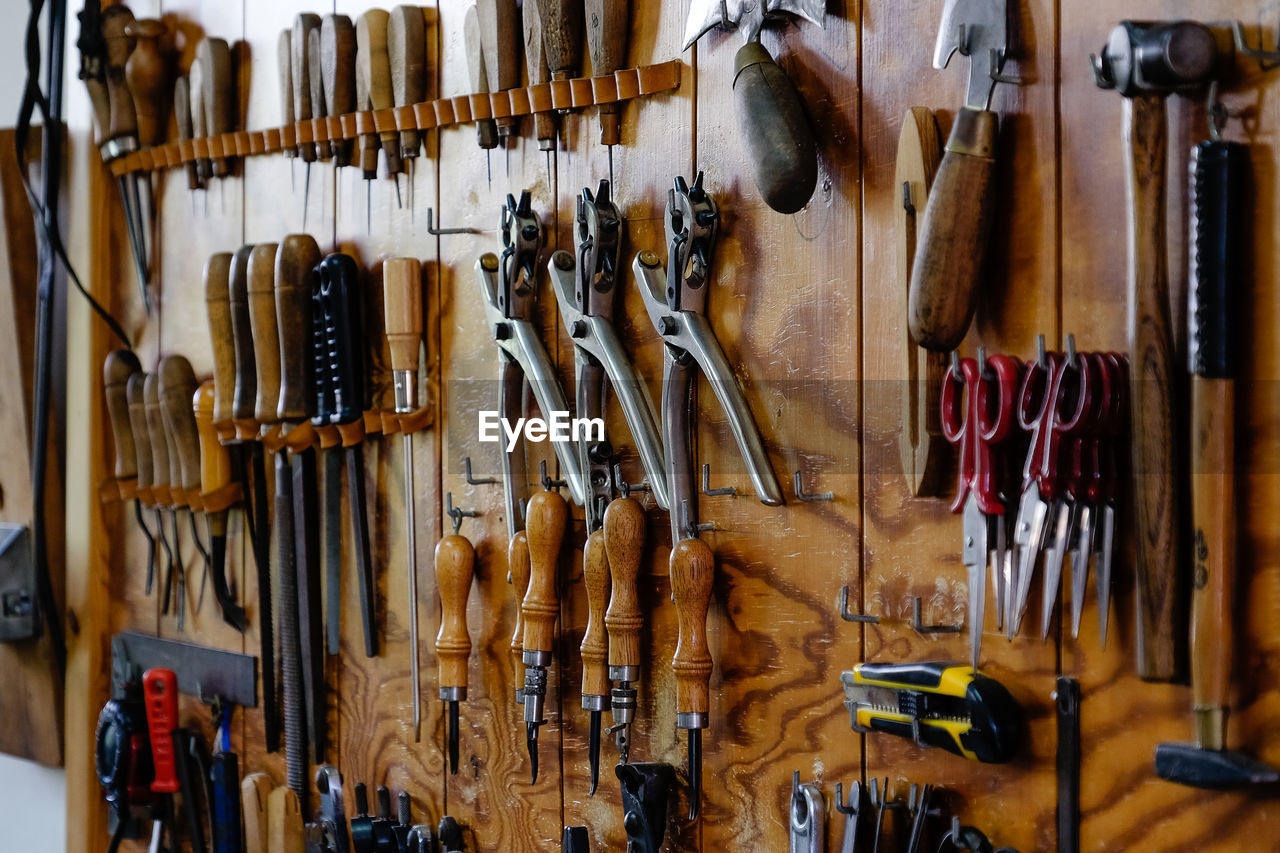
{"points": [[706, 484], [472, 480], [997, 59], [1042, 358], [917, 621], [547, 483], [456, 514], [1268, 60], [624, 488], [1073, 360], [802, 495], [906, 199], [847, 615], [436, 232]]}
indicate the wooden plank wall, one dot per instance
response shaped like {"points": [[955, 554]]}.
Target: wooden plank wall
{"points": [[810, 313]]}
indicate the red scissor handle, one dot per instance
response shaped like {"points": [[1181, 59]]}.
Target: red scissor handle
{"points": [[977, 414], [957, 427], [160, 692]]}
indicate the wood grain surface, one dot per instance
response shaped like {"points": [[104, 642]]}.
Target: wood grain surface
{"points": [[810, 311]]}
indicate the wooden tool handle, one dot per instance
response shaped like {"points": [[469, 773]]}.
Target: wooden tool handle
{"points": [[255, 789], [182, 115], [266, 334], [624, 532], [296, 261], [177, 389], [118, 368], [124, 119], [300, 69], [692, 571], [402, 304], [284, 822], [595, 643], [338, 69], [535, 62], [315, 76], [500, 42], [161, 469], [136, 394], [1158, 521], [545, 517], [608, 24], [245, 378], [407, 52], [148, 79], [217, 300], [284, 65], [477, 75], [562, 36], [1213, 518], [196, 78], [951, 248], [372, 57], [218, 93], [518, 566], [218, 490], [775, 130], [455, 567]]}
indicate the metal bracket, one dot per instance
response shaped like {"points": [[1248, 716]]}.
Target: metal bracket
{"points": [[201, 671], [456, 514], [1268, 60], [471, 479], [547, 482], [802, 495], [19, 597], [706, 484], [917, 616], [436, 232]]}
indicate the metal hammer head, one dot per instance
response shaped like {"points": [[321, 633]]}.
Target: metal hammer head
{"points": [[1161, 57], [1189, 764], [978, 29]]}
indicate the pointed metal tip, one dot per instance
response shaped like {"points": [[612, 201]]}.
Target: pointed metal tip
{"points": [[531, 742]]}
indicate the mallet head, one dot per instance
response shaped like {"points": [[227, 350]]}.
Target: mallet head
{"points": [[1161, 57], [1189, 764]]}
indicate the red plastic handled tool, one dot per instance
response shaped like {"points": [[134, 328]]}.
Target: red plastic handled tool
{"points": [[160, 689]]}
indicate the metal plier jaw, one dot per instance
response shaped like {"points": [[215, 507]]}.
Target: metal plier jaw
{"points": [[509, 305], [586, 291], [330, 831], [677, 308]]}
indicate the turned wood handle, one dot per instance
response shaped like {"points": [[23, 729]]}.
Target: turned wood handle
{"points": [[296, 261], [177, 389], [245, 384], [477, 75], [148, 79], [161, 471], [284, 63], [218, 94], [120, 366], [300, 71], [266, 335], [402, 309], [141, 432], [692, 571], [500, 43], [372, 58], [624, 532], [124, 119], [217, 300], [595, 643], [315, 76], [255, 789], [608, 24], [1154, 442], [535, 63], [407, 53], [455, 567], [217, 488], [775, 130], [284, 822], [561, 35], [545, 517], [954, 235], [338, 69], [182, 115], [518, 567]]}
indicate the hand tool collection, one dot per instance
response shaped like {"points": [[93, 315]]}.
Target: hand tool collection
{"points": [[1049, 449]]}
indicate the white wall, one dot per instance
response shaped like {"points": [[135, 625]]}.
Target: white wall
{"points": [[32, 798]]}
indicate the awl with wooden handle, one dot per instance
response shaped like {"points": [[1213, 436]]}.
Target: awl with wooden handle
{"points": [[455, 567], [546, 516]]}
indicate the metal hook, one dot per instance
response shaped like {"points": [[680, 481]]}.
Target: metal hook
{"points": [[997, 62], [687, 523], [906, 199], [982, 361], [472, 480], [1073, 360], [852, 806], [547, 483], [706, 484], [847, 615], [436, 232], [955, 365], [624, 488], [456, 514], [1042, 358], [802, 495], [962, 39], [917, 621], [1268, 60]]}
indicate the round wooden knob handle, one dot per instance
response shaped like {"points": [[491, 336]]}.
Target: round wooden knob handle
{"points": [[148, 78], [518, 566], [296, 260], [266, 335], [455, 567], [402, 305], [117, 369], [161, 470], [177, 388], [136, 394], [692, 571], [624, 533], [217, 300], [595, 644], [218, 490], [545, 518]]}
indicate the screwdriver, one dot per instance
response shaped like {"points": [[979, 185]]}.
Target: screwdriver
{"points": [[134, 390], [407, 53], [545, 517], [608, 23], [692, 568], [402, 300], [455, 567], [338, 71], [478, 77], [595, 645], [624, 533], [163, 488], [300, 81], [219, 492], [118, 368], [500, 43], [160, 693], [284, 64], [535, 60]]}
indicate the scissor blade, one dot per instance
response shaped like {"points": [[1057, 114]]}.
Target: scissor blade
{"points": [[1080, 564], [1102, 572], [1028, 534], [999, 567], [1055, 553], [975, 558]]}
